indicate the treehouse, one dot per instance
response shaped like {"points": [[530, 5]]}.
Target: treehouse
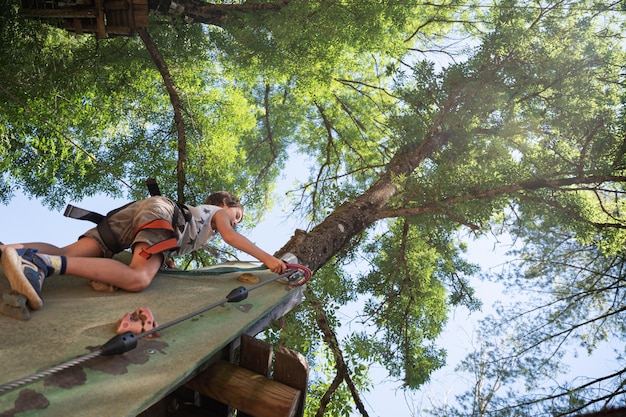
{"points": [[104, 18]]}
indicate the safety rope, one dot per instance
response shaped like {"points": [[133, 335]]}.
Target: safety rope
{"points": [[296, 275]]}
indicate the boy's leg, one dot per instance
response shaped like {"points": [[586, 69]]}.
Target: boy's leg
{"points": [[26, 270], [133, 277], [83, 247], [26, 265], [39, 246]]}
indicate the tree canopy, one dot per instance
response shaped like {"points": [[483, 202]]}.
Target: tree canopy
{"points": [[423, 124]]}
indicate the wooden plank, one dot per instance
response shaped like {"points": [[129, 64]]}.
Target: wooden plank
{"points": [[78, 26], [140, 14], [116, 18], [292, 369], [130, 21], [100, 27], [141, 17], [116, 4], [247, 391], [256, 355]]}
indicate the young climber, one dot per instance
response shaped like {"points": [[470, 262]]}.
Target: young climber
{"points": [[153, 229]]}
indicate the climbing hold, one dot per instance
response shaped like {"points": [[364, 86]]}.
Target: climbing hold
{"points": [[14, 304], [141, 320], [249, 278]]}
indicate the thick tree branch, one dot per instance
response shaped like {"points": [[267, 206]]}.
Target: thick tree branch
{"points": [[343, 372], [197, 11], [316, 247], [562, 183], [177, 106]]}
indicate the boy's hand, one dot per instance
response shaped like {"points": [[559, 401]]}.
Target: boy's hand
{"points": [[276, 265]]}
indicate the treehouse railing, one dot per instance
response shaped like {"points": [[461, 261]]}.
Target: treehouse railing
{"points": [[104, 18]]}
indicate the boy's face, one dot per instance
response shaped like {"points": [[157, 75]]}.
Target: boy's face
{"points": [[235, 214]]}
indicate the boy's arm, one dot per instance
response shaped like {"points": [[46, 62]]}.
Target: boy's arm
{"points": [[238, 241]]}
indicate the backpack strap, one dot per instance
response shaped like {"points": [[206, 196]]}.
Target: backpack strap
{"points": [[82, 214], [107, 235], [153, 187], [108, 238]]}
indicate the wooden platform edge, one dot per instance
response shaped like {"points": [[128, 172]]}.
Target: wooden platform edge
{"points": [[285, 306], [292, 369]]}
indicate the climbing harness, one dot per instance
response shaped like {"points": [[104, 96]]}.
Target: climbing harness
{"points": [[296, 275], [111, 241]]}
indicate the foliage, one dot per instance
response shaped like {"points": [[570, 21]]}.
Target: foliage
{"points": [[406, 305], [518, 130]]}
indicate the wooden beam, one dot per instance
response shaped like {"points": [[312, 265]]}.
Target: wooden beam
{"points": [[255, 355], [100, 25], [246, 391]]}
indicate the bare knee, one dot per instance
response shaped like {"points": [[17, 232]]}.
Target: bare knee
{"points": [[138, 280], [142, 271]]}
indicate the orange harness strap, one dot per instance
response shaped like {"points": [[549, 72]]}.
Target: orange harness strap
{"points": [[159, 247], [155, 224]]}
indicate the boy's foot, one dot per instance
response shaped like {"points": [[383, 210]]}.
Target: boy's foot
{"points": [[26, 272]]}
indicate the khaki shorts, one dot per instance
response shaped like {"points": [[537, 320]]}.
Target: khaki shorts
{"points": [[125, 222]]}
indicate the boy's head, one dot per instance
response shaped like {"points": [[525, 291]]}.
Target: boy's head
{"points": [[223, 199]]}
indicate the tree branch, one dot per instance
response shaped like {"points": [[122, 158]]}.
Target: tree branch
{"points": [[343, 372], [177, 106], [562, 183], [197, 11]]}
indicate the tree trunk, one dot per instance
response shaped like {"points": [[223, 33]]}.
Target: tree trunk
{"points": [[197, 11], [318, 246]]}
